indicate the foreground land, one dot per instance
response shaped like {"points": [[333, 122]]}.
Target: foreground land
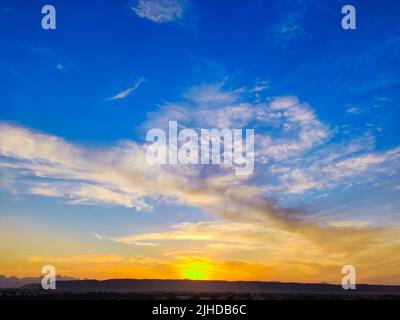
{"points": [[20, 294], [134, 289]]}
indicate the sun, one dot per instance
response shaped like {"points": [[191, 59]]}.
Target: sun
{"points": [[196, 271]]}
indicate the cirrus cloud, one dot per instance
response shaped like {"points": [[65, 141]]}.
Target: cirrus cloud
{"points": [[160, 11]]}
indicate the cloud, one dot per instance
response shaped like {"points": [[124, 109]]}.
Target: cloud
{"points": [[127, 92], [292, 20], [353, 110], [329, 247], [213, 106], [213, 234], [160, 11], [205, 106], [332, 173], [71, 173], [358, 164], [292, 149], [84, 193], [212, 95], [261, 85], [295, 155], [121, 175], [293, 117], [90, 258], [288, 29]]}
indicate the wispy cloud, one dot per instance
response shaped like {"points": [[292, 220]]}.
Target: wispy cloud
{"points": [[90, 258], [127, 92], [160, 11], [353, 110], [327, 251], [292, 147], [288, 29], [351, 170], [291, 22], [295, 156], [261, 85]]}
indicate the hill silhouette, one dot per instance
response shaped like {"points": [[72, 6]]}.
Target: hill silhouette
{"points": [[15, 282], [149, 285]]}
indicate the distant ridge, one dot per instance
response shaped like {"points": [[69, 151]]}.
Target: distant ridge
{"points": [[136, 285], [15, 282]]}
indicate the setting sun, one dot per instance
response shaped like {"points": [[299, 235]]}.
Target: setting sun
{"points": [[196, 271]]}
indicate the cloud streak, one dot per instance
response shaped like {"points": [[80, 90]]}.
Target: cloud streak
{"points": [[125, 93]]}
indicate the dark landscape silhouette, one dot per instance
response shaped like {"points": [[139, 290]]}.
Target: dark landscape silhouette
{"points": [[197, 289]]}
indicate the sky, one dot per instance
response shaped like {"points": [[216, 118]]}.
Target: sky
{"points": [[77, 192]]}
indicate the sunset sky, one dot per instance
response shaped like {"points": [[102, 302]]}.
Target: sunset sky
{"points": [[77, 192]]}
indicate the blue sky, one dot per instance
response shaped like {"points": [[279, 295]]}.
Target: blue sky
{"points": [[105, 48], [114, 69]]}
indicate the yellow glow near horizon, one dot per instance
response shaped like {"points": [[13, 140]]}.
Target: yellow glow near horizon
{"points": [[196, 271]]}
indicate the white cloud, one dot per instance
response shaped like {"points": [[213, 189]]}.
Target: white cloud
{"points": [[299, 181], [85, 193], [127, 92], [291, 116], [331, 173], [294, 156], [121, 175], [206, 106], [160, 10], [260, 86], [355, 165], [293, 145], [212, 95], [82, 175], [353, 110]]}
